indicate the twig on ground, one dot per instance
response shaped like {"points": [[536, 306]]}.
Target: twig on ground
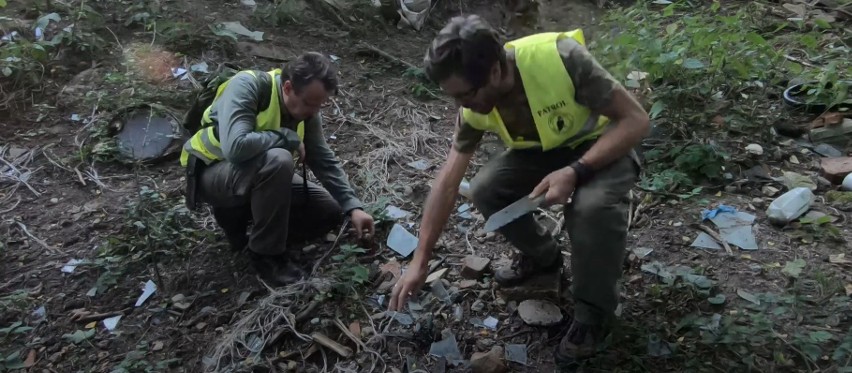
{"points": [[86, 318], [16, 174], [386, 55], [716, 237], [329, 343], [330, 249], [17, 202], [36, 239]]}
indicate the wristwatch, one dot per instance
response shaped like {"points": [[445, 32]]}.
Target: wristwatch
{"points": [[583, 171]]}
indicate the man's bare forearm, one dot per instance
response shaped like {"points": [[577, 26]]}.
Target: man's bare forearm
{"points": [[439, 204], [631, 126]]}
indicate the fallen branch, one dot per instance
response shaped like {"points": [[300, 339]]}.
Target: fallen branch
{"points": [[85, 317], [376, 50], [716, 237], [332, 345]]}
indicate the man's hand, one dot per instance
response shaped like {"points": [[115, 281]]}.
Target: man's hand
{"points": [[407, 286], [363, 224], [559, 186]]}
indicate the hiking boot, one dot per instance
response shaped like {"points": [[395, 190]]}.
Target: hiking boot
{"points": [[580, 343], [522, 268], [276, 269], [234, 223]]}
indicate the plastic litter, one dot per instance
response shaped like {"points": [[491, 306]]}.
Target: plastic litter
{"points": [[790, 206], [147, 291], [401, 240], [71, 265], [516, 353], [447, 348], [112, 322], [394, 212]]}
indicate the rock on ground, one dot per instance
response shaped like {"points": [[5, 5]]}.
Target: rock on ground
{"points": [[539, 312], [835, 169], [473, 267], [488, 362]]}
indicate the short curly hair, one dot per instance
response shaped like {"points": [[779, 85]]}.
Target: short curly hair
{"points": [[467, 46]]}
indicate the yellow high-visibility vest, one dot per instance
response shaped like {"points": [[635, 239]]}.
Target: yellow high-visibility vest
{"points": [[559, 119], [205, 144]]}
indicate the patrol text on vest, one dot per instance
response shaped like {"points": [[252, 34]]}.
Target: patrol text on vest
{"points": [[553, 107]]}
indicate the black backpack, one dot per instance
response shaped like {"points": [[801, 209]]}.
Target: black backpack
{"points": [[205, 95]]}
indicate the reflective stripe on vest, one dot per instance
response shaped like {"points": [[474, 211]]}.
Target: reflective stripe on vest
{"points": [[559, 119], [204, 143]]}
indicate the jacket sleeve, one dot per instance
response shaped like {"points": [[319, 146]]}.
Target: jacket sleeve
{"points": [[327, 168], [237, 110]]}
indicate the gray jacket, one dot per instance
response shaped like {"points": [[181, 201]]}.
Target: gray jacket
{"points": [[235, 113]]}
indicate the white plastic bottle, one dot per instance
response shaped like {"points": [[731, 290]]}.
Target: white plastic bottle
{"points": [[790, 205], [847, 183]]}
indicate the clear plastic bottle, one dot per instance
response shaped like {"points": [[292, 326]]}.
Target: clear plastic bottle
{"points": [[790, 205], [464, 189]]}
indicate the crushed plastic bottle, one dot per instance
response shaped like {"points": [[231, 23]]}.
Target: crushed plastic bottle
{"points": [[847, 183], [790, 205], [464, 189]]}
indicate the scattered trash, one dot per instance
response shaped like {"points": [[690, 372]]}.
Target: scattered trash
{"points": [[516, 353], [41, 313], [112, 322], [464, 189], [92, 292], [488, 362], [403, 318], [641, 252], [790, 206], [794, 180], [847, 183], [736, 229], [826, 150], [491, 323], [71, 265], [394, 212], [421, 164], [710, 214], [440, 292], [447, 348], [402, 241], [333, 58], [234, 29], [150, 288], [200, 67], [712, 324], [539, 312], [464, 211], [179, 72], [835, 169], [754, 149], [658, 347], [414, 12], [704, 241], [748, 296], [75, 117]]}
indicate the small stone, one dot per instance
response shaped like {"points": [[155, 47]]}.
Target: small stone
{"points": [[157, 346], [331, 237], [769, 190], [835, 169], [754, 149], [477, 306], [367, 332], [464, 284], [473, 267], [794, 159], [539, 313], [485, 343], [292, 366], [54, 200], [731, 188], [310, 248], [201, 325], [759, 202], [488, 362], [316, 320], [490, 236]]}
